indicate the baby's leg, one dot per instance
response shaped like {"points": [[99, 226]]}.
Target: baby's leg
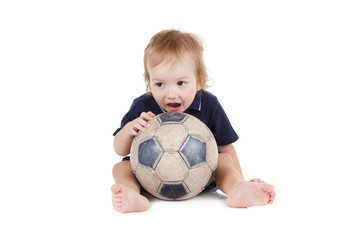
{"points": [[240, 192], [126, 195]]}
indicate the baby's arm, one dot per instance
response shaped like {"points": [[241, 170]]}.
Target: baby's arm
{"points": [[123, 139], [231, 150]]}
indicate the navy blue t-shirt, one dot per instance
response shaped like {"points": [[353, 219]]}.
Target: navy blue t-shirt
{"points": [[205, 107]]}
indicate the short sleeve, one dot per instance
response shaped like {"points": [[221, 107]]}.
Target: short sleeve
{"points": [[222, 128], [134, 112], [144, 103]]}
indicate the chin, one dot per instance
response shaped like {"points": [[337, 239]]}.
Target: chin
{"points": [[179, 111]]}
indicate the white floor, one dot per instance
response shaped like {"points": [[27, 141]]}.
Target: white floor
{"points": [[67, 204], [286, 73]]}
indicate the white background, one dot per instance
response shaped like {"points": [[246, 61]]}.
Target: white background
{"points": [[286, 72]]}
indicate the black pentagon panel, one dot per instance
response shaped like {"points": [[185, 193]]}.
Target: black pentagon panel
{"points": [[211, 180], [172, 117], [173, 190], [193, 151], [149, 152]]}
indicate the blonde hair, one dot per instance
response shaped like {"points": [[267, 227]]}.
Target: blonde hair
{"points": [[168, 45]]}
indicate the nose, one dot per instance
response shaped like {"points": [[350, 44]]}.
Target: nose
{"points": [[171, 93]]}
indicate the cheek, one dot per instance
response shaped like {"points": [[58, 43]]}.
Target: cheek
{"points": [[154, 90], [157, 96], [190, 97]]}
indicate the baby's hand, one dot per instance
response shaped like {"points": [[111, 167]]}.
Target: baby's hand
{"points": [[141, 123]]}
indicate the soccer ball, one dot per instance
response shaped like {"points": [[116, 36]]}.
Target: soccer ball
{"points": [[175, 158]]}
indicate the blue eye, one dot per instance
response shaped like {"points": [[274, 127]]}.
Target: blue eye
{"points": [[159, 84]]}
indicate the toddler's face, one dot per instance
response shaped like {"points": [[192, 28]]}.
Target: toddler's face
{"points": [[173, 84]]}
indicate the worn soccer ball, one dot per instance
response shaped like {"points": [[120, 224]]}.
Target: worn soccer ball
{"points": [[175, 158]]}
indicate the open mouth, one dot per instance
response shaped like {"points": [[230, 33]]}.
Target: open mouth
{"points": [[174, 106]]}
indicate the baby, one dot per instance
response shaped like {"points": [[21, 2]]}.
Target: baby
{"points": [[176, 81]]}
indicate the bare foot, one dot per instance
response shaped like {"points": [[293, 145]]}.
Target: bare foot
{"points": [[253, 193], [126, 199], [272, 193]]}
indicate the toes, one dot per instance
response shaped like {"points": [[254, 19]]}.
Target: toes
{"points": [[117, 203], [270, 189], [271, 199], [267, 187], [116, 188], [118, 207], [256, 180], [272, 196]]}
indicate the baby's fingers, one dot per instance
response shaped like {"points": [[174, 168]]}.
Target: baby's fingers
{"points": [[151, 114], [147, 116], [134, 132], [143, 123], [140, 125]]}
